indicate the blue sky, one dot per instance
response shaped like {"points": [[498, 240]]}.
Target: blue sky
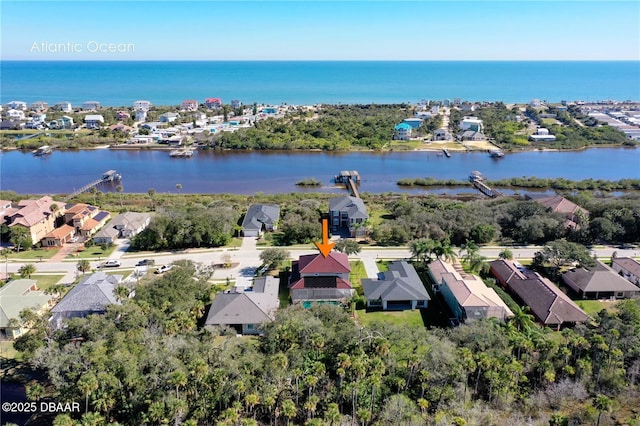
{"points": [[322, 30]]}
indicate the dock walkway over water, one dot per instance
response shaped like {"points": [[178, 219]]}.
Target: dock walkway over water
{"points": [[477, 180], [351, 178], [107, 177]]}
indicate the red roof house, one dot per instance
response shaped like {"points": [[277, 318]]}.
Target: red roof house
{"points": [[315, 278]]}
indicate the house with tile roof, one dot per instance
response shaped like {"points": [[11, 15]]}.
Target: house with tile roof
{"points": [[90, 296], [467, 296], [213, 102], [349, 214], [37, 216], [599, 282], [400, 289], [627, 267], [58, 237], [85, 219], [260, 218], [315, 278], [570, 210], [16, 296], [550, 305], [246, 310]]}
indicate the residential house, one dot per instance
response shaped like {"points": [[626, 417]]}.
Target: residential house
{"points": [[125, 225], [37, 216], [15, 114], [10, 125], [542, 135], [402, 132], [59, 236], [260, 218], [141, 116], [213, 102], [141, 139], [246, 310], [122, 115], [39, 106], [442, 135], [90, 105], [424, 115], [400, 289], [63, 123], [467, 296], [472, 123], [190, 105], [315, 278], [471, 135], [546, 301], [5, 205], [16, 296], [17, 105], [152, 126], [90, 296], [168, 117], [599, 282], [348, 213], [120, 127], [63, 106], [235, 103], [142, 105], [93, 121], [628, 268], [85, 219], [570, 210], [415, 122]]}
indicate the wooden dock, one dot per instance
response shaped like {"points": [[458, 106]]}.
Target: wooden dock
{"points": [[477, 180], [107, 177], [351, 178]]}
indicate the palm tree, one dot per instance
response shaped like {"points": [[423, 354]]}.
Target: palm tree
{"points": [[444, 250], [522, 319], [506, 254], [152, 193], [601, 403], [87, 384], [121, 293], [289, 409], [83, 266], [332, 415], [27, 270], [34, 391], [119, 190]]}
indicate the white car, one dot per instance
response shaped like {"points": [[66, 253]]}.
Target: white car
{"points": [[163, 269], [111, 264]]}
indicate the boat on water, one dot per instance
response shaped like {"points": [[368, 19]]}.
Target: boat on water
{"points": [[496, 153], [43, 150], [111, 176], [446, 152], [181, 153], [476, 176]]}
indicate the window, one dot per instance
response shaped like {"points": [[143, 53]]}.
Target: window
{"points": [[250, 327]]}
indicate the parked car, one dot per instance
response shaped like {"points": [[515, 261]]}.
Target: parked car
{"points": [[111, 264], [146, 262], [163, 269]]}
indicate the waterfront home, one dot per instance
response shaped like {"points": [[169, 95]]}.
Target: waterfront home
{"points": [[37, 216], [400, 289], [260, 218], [152, 126], [39, 106], [142, 105], [63, 123], [93, 121], [471, 135], [189, 105], [168, 117], [542, 135], [213, 102], [125, 225], [467, 296], [63, 107], [16, 296], [141, 116], [245, 310], [599, 282], [120, 127], [442, 135], [547, 302], [17, 105], [472, 123], [402, 132], [415, 122], [15, 114], [141, 140], [235, 103], [573, 213], [58, 237], [90, 105], [315, 278], [90, 296], [122, 115], [348, 213], [628, 268]]}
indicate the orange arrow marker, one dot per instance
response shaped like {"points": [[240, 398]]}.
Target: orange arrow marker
{"points": [[325, 246]]}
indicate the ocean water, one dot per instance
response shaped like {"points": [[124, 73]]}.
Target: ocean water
{"points": [[308, 82]]}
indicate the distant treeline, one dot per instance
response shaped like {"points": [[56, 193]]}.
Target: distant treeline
{"points": [[534, 182]]}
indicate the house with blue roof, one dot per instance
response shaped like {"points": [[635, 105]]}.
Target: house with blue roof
{"points": [[402, 132]]}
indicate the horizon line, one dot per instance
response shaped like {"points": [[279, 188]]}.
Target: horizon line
{"points": [[315, 60]]}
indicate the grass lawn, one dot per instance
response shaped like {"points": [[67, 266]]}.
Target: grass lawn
{"points": [[32, 254], [235, 242], [406, 145], [406, 318], [357, 273], [92, 252], [376, 215], [46, 281], [383, 265], [592, 307], [7, 351], [283, 291]]}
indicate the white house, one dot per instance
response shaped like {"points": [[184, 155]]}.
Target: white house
{"points": [[39, 106], [413, 122], [15, 114], [235, 103], [17, 105], [63, 106], [142, 105], [402, 132], [168, 117], [628, 267], [471, 123], [90, 105], [141, 115], [190, 105], [542, 135], [93, 121], [442, 135]]}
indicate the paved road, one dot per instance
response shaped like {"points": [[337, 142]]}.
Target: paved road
{"points": [[247, 258]]}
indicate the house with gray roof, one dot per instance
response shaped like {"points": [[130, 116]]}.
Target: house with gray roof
{"points": [[16, 296], [547, 302], [348, 213], [245, 310], [125, 225], [260, 218], [90, 296], [599, 282], [628, 268], [400, 289]]}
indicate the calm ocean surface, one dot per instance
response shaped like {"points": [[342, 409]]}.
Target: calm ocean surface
{"points": [[308, 82], [275, 172]]}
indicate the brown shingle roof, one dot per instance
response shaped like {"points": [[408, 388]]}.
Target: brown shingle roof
{"points": [[628, 264], [599, 278]]}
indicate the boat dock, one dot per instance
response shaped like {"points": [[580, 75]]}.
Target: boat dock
{"points": [[181, 153], [107, 177], [43, 150], [477, 180], [446, 152], [351, 178]]}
